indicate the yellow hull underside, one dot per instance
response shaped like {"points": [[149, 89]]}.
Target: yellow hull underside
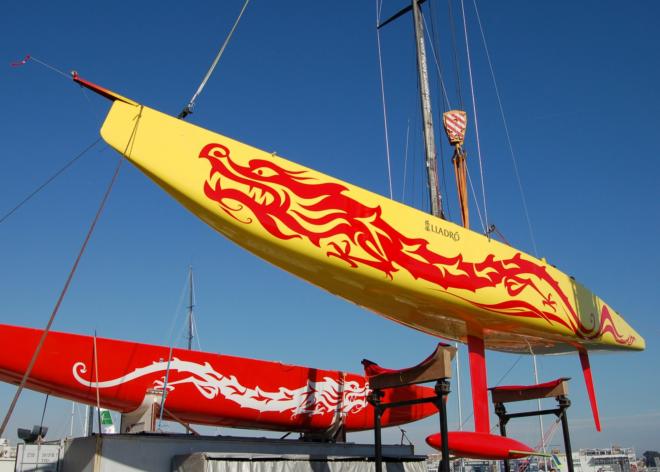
{"points": [[418, 270]]}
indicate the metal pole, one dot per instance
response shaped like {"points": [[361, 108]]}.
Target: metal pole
{"points": [[191, 305], [98, 397], [500, 411], [564, 403], [89, 430], [538, 401], [73, 413], [460, 404], [427, 116], [441, 391], [458, 386], [375, 401], [164, 395]]}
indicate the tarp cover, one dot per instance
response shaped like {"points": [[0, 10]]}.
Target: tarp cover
{"points": [[201, 462]]}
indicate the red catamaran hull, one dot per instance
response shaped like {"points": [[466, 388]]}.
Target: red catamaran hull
{"points": [[204, 388]]}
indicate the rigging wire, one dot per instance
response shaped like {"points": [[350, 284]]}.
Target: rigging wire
{"points": [[98, 394], [188, 109], [493, 229], [417, 166], [421, 201], [474, 111], [379, 5], [164, 394], [538, 400], [194, 322], [445, 103], [476, 201], [437, 65], [57, 71], [550, 432], [506, 131], [69, 279], [48, 181], [177, 311], [520, 356], [172, 341], [405, 162], [93, 110], [43, 415], [45, 64], [435, 46], [199, 342], [454, 43]]}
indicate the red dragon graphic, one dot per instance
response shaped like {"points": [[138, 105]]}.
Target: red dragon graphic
{"points": [[290, 204]]}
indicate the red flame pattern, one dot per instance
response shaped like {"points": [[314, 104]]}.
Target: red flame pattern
{"points": [[289, 204]]}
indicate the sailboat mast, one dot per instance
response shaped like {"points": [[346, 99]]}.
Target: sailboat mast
{"points": [[191, 305], [427, 117]]}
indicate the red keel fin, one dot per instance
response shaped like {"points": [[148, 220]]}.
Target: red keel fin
{"points": [[588, 380]]}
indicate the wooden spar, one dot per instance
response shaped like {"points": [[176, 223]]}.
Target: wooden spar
{"points": [[427, 117]]}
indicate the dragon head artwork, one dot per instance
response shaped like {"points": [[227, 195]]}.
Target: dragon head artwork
{"points": [[292, 204]]}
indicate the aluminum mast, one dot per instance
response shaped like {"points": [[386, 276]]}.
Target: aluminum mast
{"points": [[427, 117]]}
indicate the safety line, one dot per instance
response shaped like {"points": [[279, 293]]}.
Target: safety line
{"points": [[43, 415], [26, 375], [506, 131], [454, 46], [538, 400], [520, 356], [45, 64], [435, 46], [172, 341], [476, 201], [49, 180], [405, 163], [474, 111], [437, 65], [188, 109], [42, 339], [382, 96]]}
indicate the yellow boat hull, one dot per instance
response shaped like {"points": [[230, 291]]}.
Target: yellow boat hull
{"points": [[415, 269]]}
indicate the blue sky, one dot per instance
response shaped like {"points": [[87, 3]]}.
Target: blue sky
{"points": [[578, 82]]}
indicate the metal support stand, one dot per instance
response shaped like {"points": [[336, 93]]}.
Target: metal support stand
{"points": [[442, 389], [560, 412], [441, 392], [500, 411], [435, 368], [374, 399], [564, 403]]}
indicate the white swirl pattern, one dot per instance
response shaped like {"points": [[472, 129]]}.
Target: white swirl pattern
{"points": [[314, 398]]}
